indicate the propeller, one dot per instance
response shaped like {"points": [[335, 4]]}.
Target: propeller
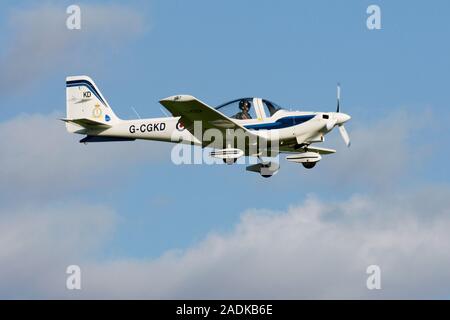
{"points": [[338, 97], [332, 120], [344, 135], [340, 119]]}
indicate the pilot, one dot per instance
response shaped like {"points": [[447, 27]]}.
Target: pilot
{"points": [[244, 105]]}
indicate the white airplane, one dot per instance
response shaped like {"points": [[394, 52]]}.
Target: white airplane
{"points": [[267, 129]]}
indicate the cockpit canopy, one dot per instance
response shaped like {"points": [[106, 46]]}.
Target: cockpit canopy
{"points": [[248, 108]]}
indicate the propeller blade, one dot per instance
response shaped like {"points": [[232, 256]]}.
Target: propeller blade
{"points": [[344, 135], [338, 97]]}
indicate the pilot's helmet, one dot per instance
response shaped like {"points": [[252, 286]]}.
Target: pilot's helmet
{"points": [[244, 103]]}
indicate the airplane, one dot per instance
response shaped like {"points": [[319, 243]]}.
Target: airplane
{"points": [[250, 127]]}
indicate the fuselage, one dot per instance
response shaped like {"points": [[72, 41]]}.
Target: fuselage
{"points": [[289, 127]]}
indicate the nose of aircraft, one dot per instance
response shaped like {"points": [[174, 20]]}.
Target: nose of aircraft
{"points": [[342, 118]]}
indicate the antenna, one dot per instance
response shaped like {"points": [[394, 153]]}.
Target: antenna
{"points": [[163, 111], [136, 113]]}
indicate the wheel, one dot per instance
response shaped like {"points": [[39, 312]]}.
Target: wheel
{"points": [[268, 169], [309, 165], [229, 161]]}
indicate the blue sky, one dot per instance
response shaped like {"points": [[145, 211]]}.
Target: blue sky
{"points": [[395, 85]]}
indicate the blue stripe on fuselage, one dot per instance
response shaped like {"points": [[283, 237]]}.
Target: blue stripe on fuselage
{"points": [[281, 123], [85, 83]]}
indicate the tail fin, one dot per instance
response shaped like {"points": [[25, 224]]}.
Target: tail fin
{"points": [[85, 101]]}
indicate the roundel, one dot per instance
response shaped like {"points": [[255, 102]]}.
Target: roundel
{"points": [[180, 125]]}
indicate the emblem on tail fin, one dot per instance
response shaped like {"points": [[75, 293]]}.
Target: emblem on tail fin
{"points": [[97, 112]]}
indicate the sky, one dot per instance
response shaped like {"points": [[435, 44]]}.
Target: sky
{"points": [[140, 226]]}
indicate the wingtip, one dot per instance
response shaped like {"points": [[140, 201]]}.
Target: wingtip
{"points": [[178, 98]]}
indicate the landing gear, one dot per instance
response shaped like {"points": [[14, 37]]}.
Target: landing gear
{"points": [[308, 159], [309, 165], [265, 169], [230, 161]]}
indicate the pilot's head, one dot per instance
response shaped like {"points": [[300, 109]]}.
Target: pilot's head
{"points": [[244, 105]]}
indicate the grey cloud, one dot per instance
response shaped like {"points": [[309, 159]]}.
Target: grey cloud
{"points": [[42, 229], [380, 151], [39, 242], [40, 43], [40, 159], [383, 155]]}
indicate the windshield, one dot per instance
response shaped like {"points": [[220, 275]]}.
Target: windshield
{"points": [[243, 108], [270, 107]]}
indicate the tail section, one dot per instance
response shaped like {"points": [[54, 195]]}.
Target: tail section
{"points": [[86, 104]]}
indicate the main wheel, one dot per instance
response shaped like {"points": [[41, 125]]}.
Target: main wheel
{"points": [[229, 161], [309, 165]]}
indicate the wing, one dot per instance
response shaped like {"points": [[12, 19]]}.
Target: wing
{"points": [[191, 109]]}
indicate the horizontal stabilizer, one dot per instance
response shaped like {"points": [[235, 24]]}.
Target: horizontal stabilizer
{"points": [[88, 123]]}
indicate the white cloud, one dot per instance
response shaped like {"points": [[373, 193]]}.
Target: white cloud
{"points": [[317, 249], [40, 43], [314, 250]]}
